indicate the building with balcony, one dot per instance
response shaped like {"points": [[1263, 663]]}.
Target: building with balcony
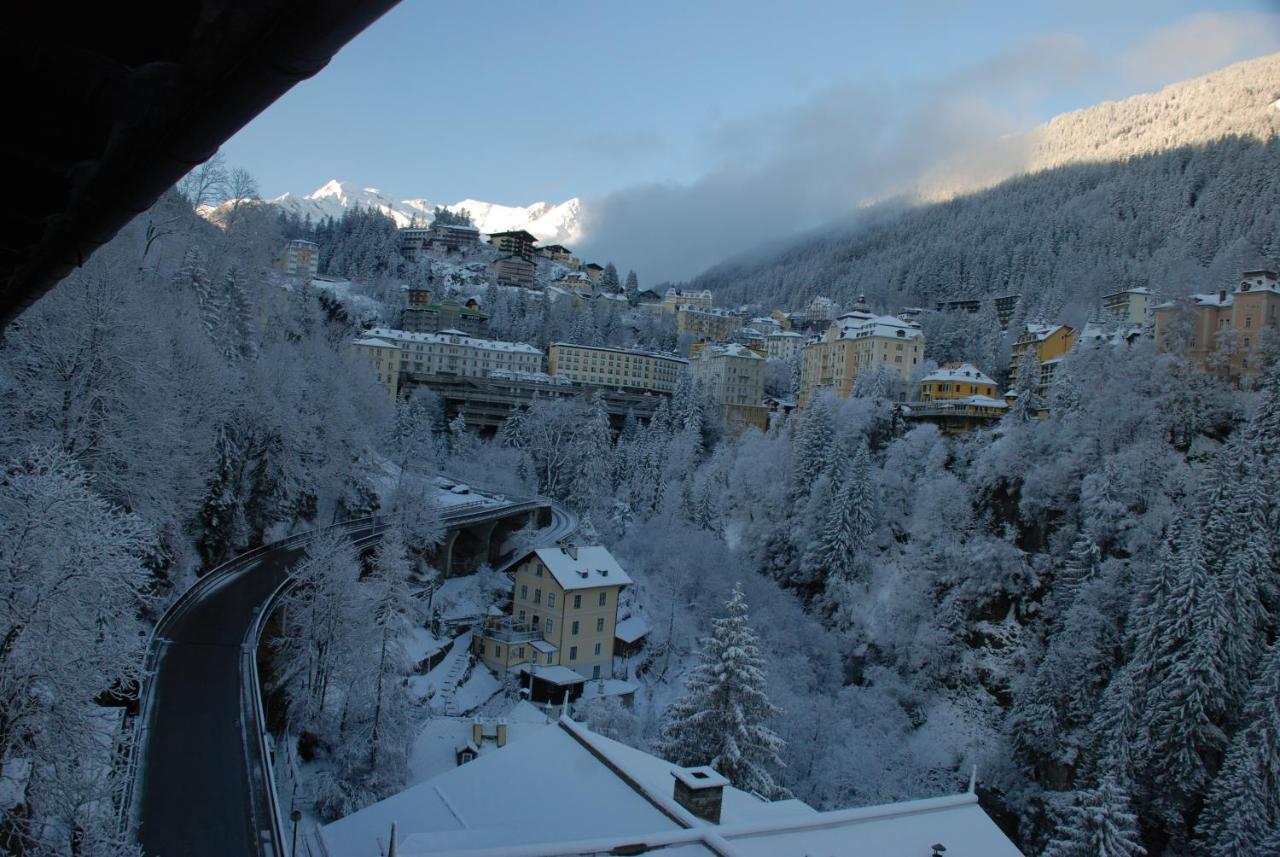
{"points": [[423, 315], [1130, 306], [784, 344], [516, 242], [622, 368], [564, 609], [453, 353], [711, 323], [299, 259], [1048, 344], [1005, 307], [676, 298], [559, 254], [1224, 332], [858, 342], [595, 272], [956, 381], [514, 270]]}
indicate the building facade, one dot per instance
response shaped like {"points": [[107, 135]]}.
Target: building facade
{"points": [[424, 315], [513, 270], [383, 356], [676, 298], [707, 322], [858, 342], [1224, 333], [1131, 306], [453, 237], [300, 259], [564, 608], [627, 369], [517, 242], [784, 344], [956, 381], [733, 376], [560, 255], [451, 352], [1047, 343]]}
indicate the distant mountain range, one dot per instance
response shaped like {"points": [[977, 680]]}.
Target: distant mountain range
{"points": [[559, 223]]}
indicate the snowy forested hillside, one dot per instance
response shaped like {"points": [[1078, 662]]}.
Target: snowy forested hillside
{"points": [[1174, 191]]}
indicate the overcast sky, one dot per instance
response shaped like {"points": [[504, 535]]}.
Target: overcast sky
{"points": [[689, 128]]}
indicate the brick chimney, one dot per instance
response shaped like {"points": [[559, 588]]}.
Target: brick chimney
{"points": [[701, 791], [501, 730]]}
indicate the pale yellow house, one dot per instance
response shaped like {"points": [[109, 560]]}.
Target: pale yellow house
{"points": [[383, 356], [628, 369], [1049, 343], [1130, 306], [1224, 331], [676, 298], [956, 381], [564, 608], [858, 342], [956, 398]]}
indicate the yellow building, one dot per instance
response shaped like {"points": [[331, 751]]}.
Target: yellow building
{"points": [[858, 342], [707, 322], [676, 298], [1049, 343], [616, 367], [1223, 332], [564, 608], [956, 398], [384, 357], [956, 381]]}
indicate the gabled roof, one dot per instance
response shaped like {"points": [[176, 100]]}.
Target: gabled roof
{"points": [[964, 373], [513, 233], [593, 566]]}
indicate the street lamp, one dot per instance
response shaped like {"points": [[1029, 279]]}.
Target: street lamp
{"points": [[295, 816]]}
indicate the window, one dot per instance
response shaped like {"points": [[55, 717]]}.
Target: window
{"points": [[548, 657], [595, 671], [550, 625], [537, 596], [551, 599], [573, 653], [597, 648], [600, 624], [520, 652], [577, 602], [497, 651], [521, 619], [537, 569], [604, 598], [575, 629], [524, 591]]}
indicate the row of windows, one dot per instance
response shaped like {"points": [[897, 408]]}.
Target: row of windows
{"points": [[518, 651], [551, 596]]}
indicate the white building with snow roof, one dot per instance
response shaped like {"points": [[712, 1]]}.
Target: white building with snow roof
{"points": [[564, 789], [858, 342], [452, 352]]}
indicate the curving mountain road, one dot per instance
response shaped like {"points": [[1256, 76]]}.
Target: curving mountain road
{"points": [[202, 784]]}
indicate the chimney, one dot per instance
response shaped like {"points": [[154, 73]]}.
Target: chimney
{"points": [[1222, 296], [502, 733], [477, 732], [701, 791]]}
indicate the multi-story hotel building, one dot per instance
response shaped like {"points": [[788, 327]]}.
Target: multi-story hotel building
{"points": [[300, 258], [383, 356], [1049, 343], [451, 352], [1223, 332], [517, 242], [733, 376], [564, 608], [513, 270], [955, 381], [624, 368], [707, 322], [1130, 306], [858, 342], [784, 344], [676, 298]]}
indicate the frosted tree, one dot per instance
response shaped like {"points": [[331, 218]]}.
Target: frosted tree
{"points": [[721, 719], [1101, 823], [840, 548], [631, 288], [1243, 804], [593, 447], [1027, 387], [609, 283], [814, 437]]}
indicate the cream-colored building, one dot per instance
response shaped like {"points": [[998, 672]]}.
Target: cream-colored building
{"points": [[1130, 306], [616, 367], [956, 381], [300, 259], [452, 352], [564, 608], [784, 344], [733, 377], [858, 342], [1224, 332], [384, 358], [1049, 343], [514, 270], [676, 298], [707, 322]]}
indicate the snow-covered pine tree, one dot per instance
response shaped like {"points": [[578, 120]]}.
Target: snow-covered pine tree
{"points": [[1027, 387], [1243, 805], [840, 548], [632, 288], [1101, 823], [721, 719], [609, 283], [813, 437]]}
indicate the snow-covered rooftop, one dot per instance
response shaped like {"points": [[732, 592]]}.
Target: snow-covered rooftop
{"points": [[1041, 332], [964, 373], [631, 629], [592, 566], [447, 338], [632, 351], [855, 325], [568, 790], [730, 349]]}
